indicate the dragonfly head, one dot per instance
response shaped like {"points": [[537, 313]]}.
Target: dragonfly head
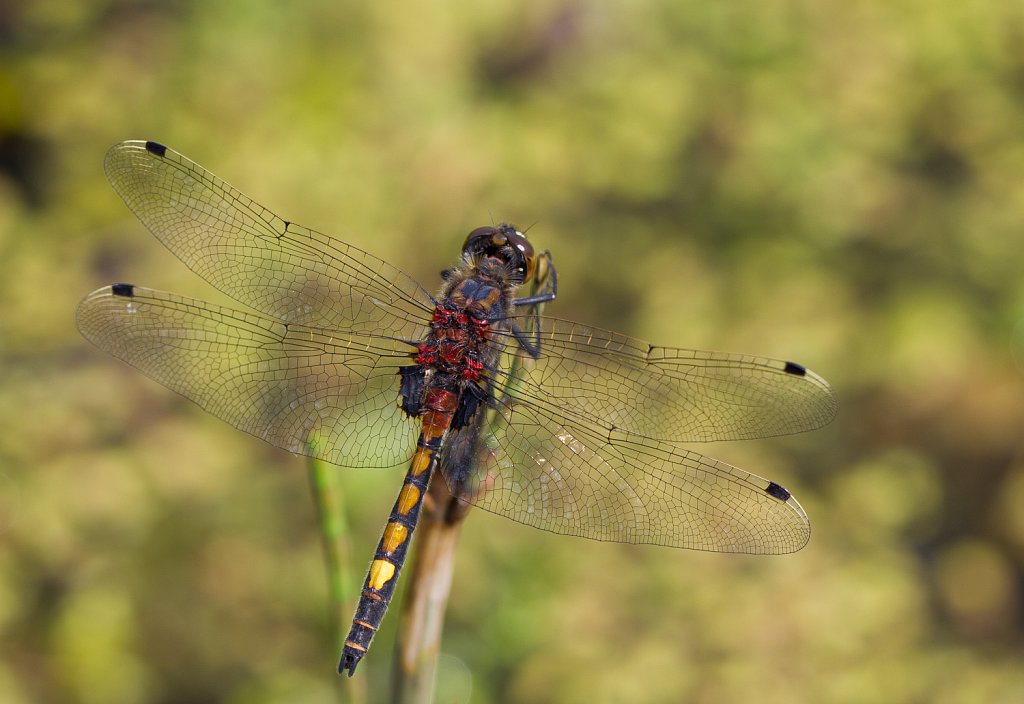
{"points": [[505, 244]]}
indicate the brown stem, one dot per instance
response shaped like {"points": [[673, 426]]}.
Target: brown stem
{"points": [[422, 617]]}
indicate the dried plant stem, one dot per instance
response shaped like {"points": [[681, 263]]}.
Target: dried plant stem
{"points": [[422, 617]]}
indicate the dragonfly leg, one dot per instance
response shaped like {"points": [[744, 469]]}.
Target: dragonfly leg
{"points": [[531, 347], [534, 300], [547, 281]]}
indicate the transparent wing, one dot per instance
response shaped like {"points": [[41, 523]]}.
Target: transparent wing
{"points": [[261, 260], [555, 472], [669, 393], [586, 440], [330, 395]]}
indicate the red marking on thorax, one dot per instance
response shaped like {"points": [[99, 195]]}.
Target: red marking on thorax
{"points": [[456, 341]]}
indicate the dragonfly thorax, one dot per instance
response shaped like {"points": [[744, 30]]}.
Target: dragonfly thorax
{"points": [[456, 344], [461, 349]]}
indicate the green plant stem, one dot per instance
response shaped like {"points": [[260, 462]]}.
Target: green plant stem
{"points": [[334, 535]]}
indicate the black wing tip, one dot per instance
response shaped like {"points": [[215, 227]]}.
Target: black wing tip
{"points": [[125, 290], [156, 148], [795, 369], [778, 491]]}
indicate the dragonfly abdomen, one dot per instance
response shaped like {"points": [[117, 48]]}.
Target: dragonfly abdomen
{"points": [[439, 406], [443, 388]]}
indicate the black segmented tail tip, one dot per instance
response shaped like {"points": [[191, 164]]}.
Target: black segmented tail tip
{"points": [[156, 148], [349, 661], [795, 369], [126, 290], [778, 491]]}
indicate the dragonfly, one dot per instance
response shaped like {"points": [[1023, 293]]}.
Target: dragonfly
{"points": [[345, 358]]}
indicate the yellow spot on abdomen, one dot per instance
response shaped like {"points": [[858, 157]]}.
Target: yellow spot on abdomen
{"points": [[394, 535], [408, 498], [421, 461], [381, 572]]}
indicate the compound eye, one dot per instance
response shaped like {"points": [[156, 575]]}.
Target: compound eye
{"points": [[525, 249], [479, 240]]}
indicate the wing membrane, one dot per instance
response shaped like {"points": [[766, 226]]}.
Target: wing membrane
{"points": [[330, 395], [585, 440], [278, 268], [668, 393], [552, 472]]}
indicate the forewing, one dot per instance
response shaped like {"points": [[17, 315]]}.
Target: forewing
{"points": [[278, 268], [330, 395], [672, 394], [558, 474]]}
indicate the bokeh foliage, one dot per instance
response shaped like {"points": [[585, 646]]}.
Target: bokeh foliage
{"points": [[837, 182]]}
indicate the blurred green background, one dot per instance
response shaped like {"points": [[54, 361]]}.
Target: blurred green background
{"points": [[836, 182]]}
